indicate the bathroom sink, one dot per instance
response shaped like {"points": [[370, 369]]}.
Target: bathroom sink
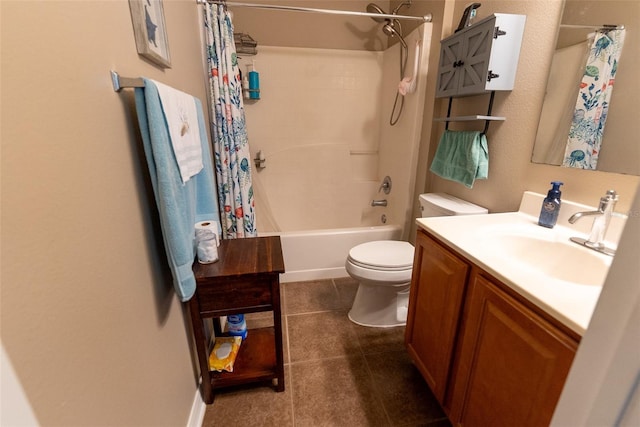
{"points": [[540, 264], [547, 251]]}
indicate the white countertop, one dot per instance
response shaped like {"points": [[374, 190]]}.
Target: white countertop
{"points": [[570, 303]]}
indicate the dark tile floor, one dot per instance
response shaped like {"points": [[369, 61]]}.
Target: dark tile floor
{"points": [[337, 373]]}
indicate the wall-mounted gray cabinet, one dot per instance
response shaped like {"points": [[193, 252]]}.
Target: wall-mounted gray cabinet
{"points": [[481, 58]]}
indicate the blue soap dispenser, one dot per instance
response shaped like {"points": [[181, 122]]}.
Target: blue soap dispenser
{"points": [[551, 206]]}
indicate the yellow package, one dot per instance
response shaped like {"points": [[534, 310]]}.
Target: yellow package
{"points": [[224, 353]]}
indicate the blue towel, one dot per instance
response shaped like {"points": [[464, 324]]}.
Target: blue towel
{"points": [[180, 205], [462, 157]]}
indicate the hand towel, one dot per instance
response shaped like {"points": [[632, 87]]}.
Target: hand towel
{"points": [[180, 205], [462, 156], [181, 115]]}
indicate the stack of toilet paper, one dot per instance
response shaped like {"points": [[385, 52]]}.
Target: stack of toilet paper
{"points": [[207, 241]]}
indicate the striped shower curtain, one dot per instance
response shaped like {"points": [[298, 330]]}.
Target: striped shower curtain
{"points": [[585, 135], [228, 129]]}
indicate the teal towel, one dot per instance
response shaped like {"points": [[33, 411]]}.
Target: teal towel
{"points": [[462, 157], [180, 205]]}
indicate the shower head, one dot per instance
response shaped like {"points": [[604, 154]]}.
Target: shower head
{"points": [[390, 30], [374, 8], [389, 27]]}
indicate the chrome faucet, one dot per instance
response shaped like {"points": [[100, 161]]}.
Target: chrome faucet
{"points": [[382, 202], [600, 224]]}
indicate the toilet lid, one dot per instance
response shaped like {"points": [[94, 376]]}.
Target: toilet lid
{"points": [[383, 254]]}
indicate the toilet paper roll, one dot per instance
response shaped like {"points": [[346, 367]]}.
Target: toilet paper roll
{"points": [[209, 226], [207, 247]]}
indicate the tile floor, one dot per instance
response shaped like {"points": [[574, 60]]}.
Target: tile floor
{"points": [[337, 373]]}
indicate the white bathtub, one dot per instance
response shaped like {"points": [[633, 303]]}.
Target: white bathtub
{"points": [[321, 254]]}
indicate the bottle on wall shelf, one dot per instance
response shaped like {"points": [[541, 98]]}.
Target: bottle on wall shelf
{"points": [[245, 85], [551, 206], [254, 82]]}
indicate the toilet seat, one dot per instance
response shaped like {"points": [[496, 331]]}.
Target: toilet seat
{"points": [[383, 262], [383, 255]]}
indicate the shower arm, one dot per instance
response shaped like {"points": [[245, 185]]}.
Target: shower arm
{"points": [[404, 3], [426, 18]]}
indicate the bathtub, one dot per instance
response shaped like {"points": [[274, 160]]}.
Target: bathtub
{"points": [[321, 254]]}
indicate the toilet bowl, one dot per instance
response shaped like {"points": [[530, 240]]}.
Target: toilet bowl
{"points": [[383, 271], [383, 268]]}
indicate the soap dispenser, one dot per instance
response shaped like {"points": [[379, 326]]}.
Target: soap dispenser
{"points": [[551, 206]]}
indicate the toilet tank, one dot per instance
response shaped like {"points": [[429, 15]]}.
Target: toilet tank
{"points": [[442, 204]]}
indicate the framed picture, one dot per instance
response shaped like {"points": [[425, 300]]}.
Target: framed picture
{"points": [[150, 31]]}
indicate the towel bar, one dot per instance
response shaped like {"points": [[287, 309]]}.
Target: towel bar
{"points": [[120, 83]]}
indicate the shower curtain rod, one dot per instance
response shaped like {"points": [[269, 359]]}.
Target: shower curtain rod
{"points": [[426, 18]]}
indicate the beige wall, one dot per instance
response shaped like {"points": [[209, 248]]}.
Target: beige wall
{"points": [[89, 317], [511, 142]]}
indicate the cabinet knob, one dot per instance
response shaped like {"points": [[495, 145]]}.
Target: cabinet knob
{"points": [[458, 63]]}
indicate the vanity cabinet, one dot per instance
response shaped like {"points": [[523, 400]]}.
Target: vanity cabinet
{"points": [[437, 287], [512, 362], [481, 58], [490, 356]]}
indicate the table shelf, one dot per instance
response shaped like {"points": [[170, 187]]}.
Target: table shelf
{"points": [[256, 360]]}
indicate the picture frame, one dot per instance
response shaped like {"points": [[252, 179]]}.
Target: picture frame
{"points": [[150, 31]]}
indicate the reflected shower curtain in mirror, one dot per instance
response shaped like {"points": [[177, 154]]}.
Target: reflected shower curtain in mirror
{"points": [[587, 127], [228, 129]]}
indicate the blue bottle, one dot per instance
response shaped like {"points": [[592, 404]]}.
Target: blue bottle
{"points": [[236, 325], [254, 82], [551, 206]]}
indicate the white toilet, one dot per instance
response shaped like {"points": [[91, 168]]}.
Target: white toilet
{"points": [[383, 268]]}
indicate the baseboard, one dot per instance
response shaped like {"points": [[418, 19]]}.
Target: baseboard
{"points": [[316, 274], [197, 411]]}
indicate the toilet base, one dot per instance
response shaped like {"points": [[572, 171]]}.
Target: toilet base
{"points": [[380, 306]]}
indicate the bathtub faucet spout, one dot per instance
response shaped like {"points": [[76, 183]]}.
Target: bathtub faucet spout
{"points": [[382, 202]]}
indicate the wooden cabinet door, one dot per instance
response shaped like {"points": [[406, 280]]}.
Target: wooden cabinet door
{"points": [[512, 365], [437, 288]]}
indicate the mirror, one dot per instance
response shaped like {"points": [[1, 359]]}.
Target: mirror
{"points": [[620, 147]]}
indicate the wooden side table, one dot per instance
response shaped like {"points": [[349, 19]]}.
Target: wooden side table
{"points": [[245, 279]]}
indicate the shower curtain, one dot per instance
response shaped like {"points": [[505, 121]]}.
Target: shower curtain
{"points": [[587, 128], [228, 129], [567, 68]]}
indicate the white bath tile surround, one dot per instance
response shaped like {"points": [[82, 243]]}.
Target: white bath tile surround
{"points": [[322, 125], [316, 106], [315, 95]]}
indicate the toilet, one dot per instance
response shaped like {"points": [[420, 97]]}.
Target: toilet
{"points": [[383, 268]]}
